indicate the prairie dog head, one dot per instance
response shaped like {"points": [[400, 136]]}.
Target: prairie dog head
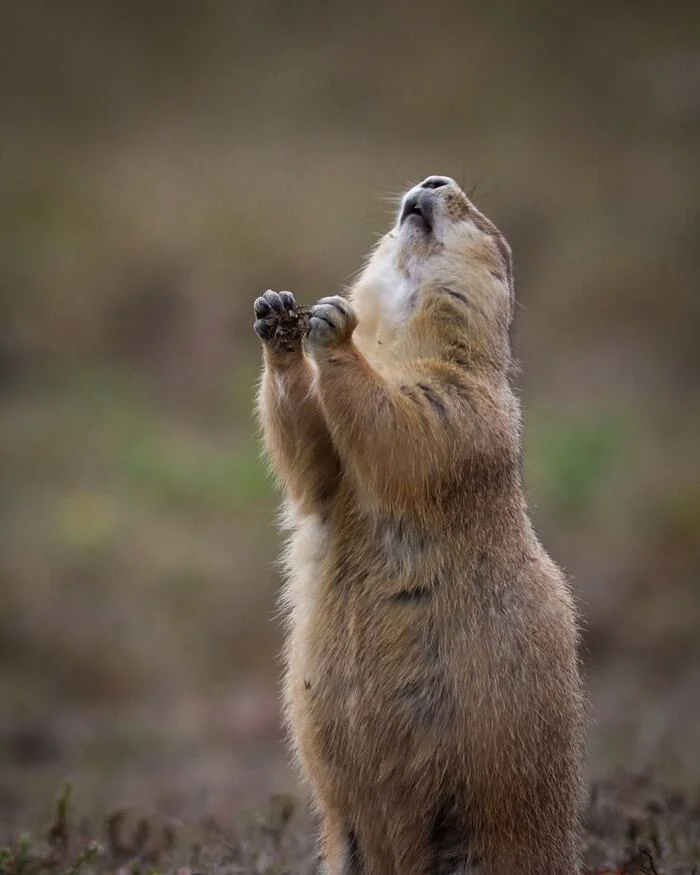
{"points": [[440, 243]]}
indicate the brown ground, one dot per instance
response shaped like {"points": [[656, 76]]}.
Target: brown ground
{"points": [[633, 825]]}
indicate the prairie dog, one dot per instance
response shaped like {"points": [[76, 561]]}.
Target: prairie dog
{"points": [[432, 689]]}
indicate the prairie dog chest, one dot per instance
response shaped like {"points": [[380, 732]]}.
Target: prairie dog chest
{"points": [[384, 299]]}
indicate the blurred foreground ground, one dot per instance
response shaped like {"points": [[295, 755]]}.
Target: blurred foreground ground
{"points": [[160, 166], [633, 825]]}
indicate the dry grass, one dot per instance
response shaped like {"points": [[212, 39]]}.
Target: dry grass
{"points": [[633, 826]]}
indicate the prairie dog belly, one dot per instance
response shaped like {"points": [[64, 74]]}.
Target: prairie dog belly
{"points": [[304, 560], [366, 668]]}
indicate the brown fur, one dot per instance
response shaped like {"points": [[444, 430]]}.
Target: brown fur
{"points": [[432, 688]]}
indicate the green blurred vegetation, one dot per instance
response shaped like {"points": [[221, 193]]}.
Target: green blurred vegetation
{"points": [[570, 459], [162, 164]]}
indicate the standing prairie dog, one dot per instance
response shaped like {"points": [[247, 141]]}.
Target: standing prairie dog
{"points": [[432, 688]]}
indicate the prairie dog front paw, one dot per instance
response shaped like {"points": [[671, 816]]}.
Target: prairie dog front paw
{"points": [[278, 321], [332, 322]]}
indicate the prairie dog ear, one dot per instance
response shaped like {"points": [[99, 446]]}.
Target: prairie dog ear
{"points": [[500, 246]]}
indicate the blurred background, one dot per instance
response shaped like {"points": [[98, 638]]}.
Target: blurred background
{"points": [[161, 164]]}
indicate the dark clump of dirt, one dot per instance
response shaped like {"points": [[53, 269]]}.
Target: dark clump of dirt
{"points": [[634, 825], [286, 329]]}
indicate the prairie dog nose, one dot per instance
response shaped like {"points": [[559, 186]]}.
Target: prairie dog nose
{"points": [[436, 182]]}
